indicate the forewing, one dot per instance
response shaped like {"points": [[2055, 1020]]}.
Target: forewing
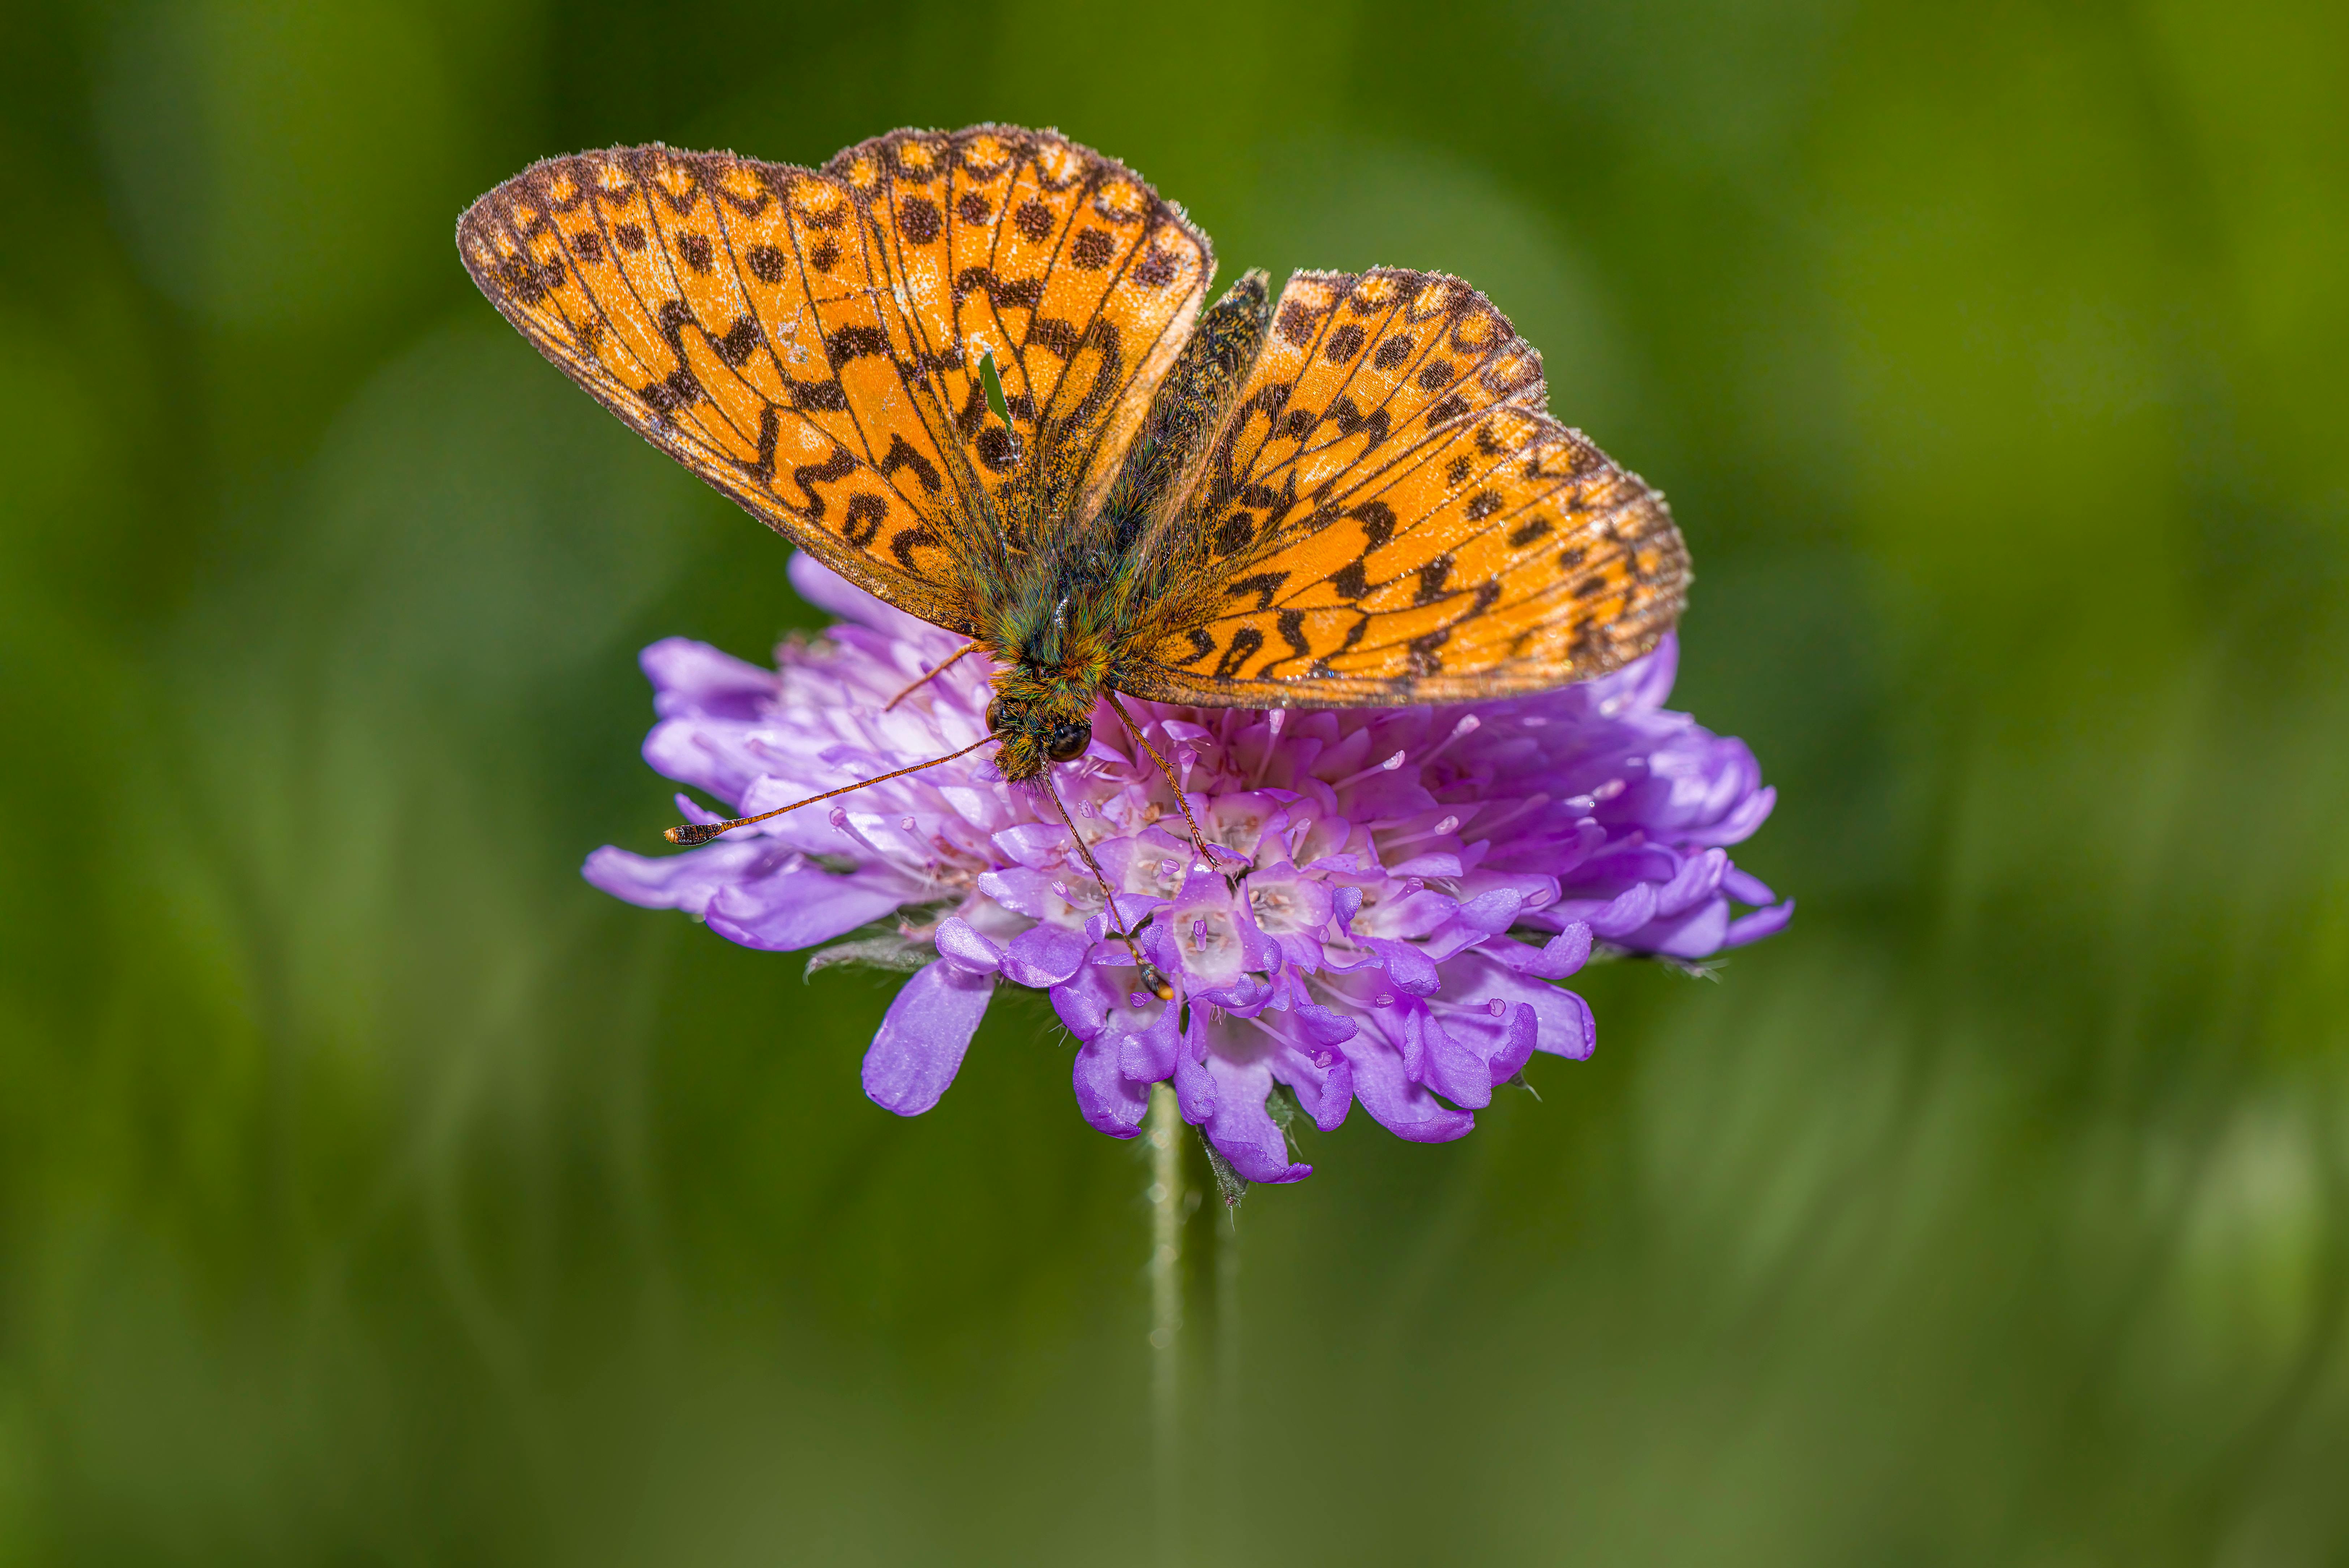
{"points": [[1064, 264], [683, 291], [798, 338], [1391, 516]]}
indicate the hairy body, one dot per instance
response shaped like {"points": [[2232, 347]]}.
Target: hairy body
{"points": [[1065, 620]]}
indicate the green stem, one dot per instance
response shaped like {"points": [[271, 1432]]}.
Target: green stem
{"points": [[1165, 1194]]}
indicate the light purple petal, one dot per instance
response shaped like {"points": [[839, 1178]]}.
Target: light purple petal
{"points": [[1761, 922], [1399, 1106], [956, 940], [687, 881], [1242, 1131], [922, 1037], [1043, 955], [787, 913], [1109, 1100], [1147, 1056], [690, 678]]}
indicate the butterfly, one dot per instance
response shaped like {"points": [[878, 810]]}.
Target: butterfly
{"points": [[974, 373]]}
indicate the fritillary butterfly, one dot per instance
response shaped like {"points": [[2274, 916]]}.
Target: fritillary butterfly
{"points": [[1351, 495]]}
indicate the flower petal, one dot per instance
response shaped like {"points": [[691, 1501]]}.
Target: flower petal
{"points": [[1147, 1056], [1242, 1131], [958, 941], [687, 881], [922, 1037], [1761, 922], [690, 678], [1043, 955], [799, 908], [1110, 1101], [1401, 1106]]}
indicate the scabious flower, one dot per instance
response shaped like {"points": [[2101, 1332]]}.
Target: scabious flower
{"points": [[1420, 877]]}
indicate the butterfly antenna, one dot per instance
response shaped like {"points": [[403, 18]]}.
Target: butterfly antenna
{"points": [[1150, 975], [1198, 839], [690, 833], [967, 649]]}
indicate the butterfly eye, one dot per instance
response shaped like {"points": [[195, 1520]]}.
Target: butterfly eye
{"points": [[1068, 741], [995, 717]]}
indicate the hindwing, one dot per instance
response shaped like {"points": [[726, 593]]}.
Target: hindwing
{"points": [[1390, 516]]}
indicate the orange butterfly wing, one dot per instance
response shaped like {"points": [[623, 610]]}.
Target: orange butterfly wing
{"points": [[808, 342], [1390, 517]]}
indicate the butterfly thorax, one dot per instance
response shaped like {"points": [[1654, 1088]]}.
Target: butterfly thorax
{"points": [[1069, 616]]}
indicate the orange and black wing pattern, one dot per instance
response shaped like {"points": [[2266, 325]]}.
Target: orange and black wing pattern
{"points": [[1390, 516], [808, 341]]}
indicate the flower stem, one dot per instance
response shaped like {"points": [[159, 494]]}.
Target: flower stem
{"points": [[1166, 1319], [1226, 1449]]}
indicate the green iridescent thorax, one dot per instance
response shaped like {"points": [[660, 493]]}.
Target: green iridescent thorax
{"points": [[1067, 616]]}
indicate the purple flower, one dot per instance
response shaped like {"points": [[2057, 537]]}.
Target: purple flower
{"points": [[1421, 876]]}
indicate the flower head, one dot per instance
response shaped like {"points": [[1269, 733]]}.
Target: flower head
{"points": [[1417, 879]]}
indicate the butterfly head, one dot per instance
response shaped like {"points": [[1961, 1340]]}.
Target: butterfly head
{"points": [[1040, 718]]}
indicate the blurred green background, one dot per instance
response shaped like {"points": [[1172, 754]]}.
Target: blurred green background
{"points": [[374, 1193]]}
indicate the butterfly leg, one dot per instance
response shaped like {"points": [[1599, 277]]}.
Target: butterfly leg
{"points": [[941, 669], [1208, 851]]}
